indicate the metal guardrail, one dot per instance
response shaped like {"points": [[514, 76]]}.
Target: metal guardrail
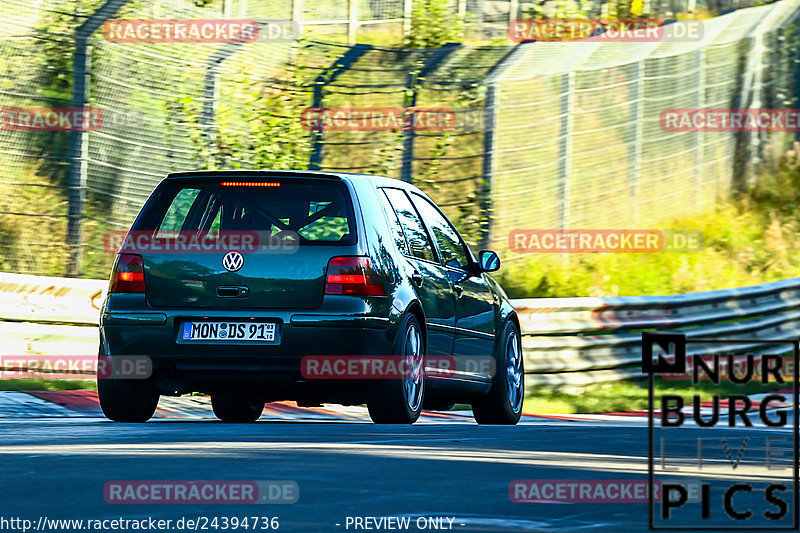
{"points": [[567, 341], [581, 340]]}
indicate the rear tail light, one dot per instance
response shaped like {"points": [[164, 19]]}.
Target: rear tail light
{"points": [[353, 276], [128, 274]]}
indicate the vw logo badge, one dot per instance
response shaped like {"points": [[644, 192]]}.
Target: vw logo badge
{"points": [[232, 261]]}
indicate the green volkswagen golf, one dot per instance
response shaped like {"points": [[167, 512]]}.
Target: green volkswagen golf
{"points": [[317, 287]]}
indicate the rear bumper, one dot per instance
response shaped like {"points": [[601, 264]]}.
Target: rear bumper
{"points": [[298, 320], [185, 367]]}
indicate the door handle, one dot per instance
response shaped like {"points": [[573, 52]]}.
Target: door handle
{"points": [[459, 290], [416, 277]]}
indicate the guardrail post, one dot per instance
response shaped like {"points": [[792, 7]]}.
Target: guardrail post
{"points": [[78, 148]]}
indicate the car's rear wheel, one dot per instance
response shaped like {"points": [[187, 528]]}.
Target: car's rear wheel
{"points": [[127, 400], [399, 401], [233, 407], [503, 404]]}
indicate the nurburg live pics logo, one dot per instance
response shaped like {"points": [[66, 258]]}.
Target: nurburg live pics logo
{"points": [[730, 463]]}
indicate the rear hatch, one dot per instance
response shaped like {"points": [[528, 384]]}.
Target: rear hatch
{"points": [[232, 242]]}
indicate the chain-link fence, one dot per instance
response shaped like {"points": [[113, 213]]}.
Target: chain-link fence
{"points": [[386, 21], [545, 135], [578, 137]]}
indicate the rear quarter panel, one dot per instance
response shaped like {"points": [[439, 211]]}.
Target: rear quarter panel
{"points": [[380, 246]]}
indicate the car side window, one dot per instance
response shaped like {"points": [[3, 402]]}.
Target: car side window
{"points": [[394, 223], [418, 240], [454, 254]]}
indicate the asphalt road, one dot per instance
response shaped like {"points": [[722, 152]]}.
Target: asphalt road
{"points": [[58, 467]]}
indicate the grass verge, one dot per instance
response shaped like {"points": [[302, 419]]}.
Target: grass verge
{"points": [[46, 384], [753, 238]]}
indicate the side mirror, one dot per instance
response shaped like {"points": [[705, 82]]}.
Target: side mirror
{"points": [[488, 261]]}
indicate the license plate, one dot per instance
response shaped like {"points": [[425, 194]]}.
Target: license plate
{"points": [[229, 331]]}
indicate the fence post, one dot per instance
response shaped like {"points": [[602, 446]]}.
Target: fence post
{"points": [[352, 21], [462, 10], [565, 150], [339, 66], [513, 9], [297, 15], [759, 137], [746, 152], [490, 115], [489, 128], [701, 103], [407, 10], [210, 100], [78, 148], [429, 65], [211, 92], [635, 150]]}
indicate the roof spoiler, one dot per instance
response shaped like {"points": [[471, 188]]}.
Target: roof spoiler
{"points": [[252, 174]]}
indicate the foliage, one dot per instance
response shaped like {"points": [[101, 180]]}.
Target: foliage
{"points": [[267, 134], [433, 24], [751, 239], [558, 9], [47, 384]]}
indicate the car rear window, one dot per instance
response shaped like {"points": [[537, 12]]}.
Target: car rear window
{"points": [[304, 210]]}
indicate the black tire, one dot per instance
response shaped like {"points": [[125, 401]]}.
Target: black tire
{"points": [[503, 404], [232, 407], [399, 401], [127, 400]]}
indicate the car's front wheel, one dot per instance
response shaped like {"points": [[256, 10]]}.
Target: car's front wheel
{"points": [[233, 407], [127, 400], [503, 404], [399, 401]]}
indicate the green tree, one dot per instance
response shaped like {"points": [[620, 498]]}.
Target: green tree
{"points": [[434, 23]]}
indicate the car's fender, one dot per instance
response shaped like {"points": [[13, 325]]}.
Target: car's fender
{"points": [[504, 311]]}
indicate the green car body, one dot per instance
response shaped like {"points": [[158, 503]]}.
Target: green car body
{"points": [[454, 309]]}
